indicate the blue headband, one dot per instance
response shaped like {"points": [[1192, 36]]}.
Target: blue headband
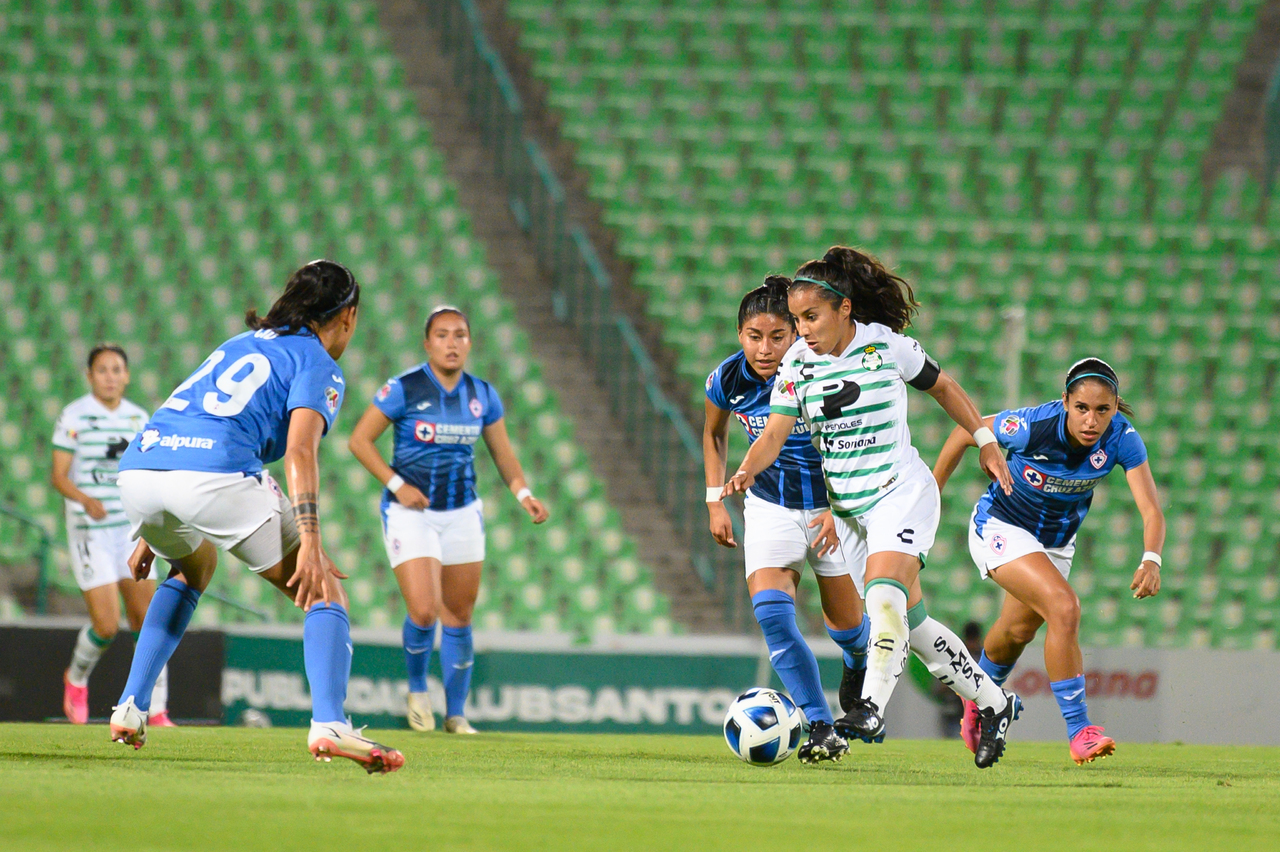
{"points": [[820, 284], [1114, 385]]}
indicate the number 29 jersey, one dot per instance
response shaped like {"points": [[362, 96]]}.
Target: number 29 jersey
{"points": [[855, 405], [232, 414]]}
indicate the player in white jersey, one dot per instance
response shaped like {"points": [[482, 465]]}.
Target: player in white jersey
{"points": [[90, 436], [847, 380]]}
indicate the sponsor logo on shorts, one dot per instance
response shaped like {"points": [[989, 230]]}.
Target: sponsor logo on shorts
{"points": [[151, 439], [1033, 477], [475, 407], [395, 545], [1098, 459], [1011, 424], [998, 544], [331, 399]]}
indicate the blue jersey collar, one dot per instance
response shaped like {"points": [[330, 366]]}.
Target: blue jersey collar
{"points": [[750, 374], [426, 368]]}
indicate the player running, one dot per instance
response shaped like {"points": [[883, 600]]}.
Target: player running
{"points": [[91, 434], [193, 483], [847, 381], [1024, 539], [432, 519]]}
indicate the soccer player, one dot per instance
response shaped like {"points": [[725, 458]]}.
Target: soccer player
{"points": [[1024, 539], [193, 483], [432, 518], [782, 509], [90, 435], [847, 380]]}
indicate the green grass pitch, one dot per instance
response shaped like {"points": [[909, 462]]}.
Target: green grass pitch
{"points": [[69, 788]]}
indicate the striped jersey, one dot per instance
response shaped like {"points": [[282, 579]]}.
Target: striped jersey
{"points": [[855, 405], [795, 479], [436, 432], [1053, 480], [96, 437]]}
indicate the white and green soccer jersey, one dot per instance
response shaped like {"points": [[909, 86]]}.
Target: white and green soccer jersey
{"points": [[97, 436], [855, 405]]}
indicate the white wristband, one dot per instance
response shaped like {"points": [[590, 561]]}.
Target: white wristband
{"points": [[1151, 556], [523, 493], [983, 435], [713, 493], [395, 483]]}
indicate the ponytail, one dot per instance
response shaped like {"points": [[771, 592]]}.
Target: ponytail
{"points": [[875, 293], [769, 298], [312, 296]]}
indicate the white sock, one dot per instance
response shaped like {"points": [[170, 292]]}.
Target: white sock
{"points": [[888, 644], [950, 662], [160, 693], [89, 649]]}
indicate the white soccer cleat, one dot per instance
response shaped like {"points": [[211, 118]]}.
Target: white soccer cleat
{"points": [[328, 740], [421, 717], [458, 725], [128, 724]]}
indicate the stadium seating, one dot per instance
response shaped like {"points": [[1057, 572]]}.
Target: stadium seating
{"points": [[166, 165], [1006, 154]]}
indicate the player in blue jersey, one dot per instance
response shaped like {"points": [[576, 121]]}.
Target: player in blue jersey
{"points": [[432, 519], [192, 483], [1024, 540]]}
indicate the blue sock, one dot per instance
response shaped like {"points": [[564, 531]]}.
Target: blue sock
{"points": [[854, 643], [792, 659], [996, 671], [167, 618], [326, 653], [456, 657], [1070, 695], [418, 642]]}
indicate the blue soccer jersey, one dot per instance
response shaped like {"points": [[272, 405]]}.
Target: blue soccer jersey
{"points": [[795, 479], [232, 414], [1053, 481], [436, 432]]}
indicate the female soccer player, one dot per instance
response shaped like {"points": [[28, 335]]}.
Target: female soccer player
{"points": [[432, 519], [1024, 538], [847, 380], [193, 483], [783, 507], [91, 434]]}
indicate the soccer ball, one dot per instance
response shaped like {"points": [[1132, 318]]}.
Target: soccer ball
{"points": [[763, 727]]}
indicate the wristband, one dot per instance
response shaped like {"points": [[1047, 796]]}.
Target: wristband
{"points": [[984, 436], [395, 483], [523, 493], [713, 493], [1151, 556]]}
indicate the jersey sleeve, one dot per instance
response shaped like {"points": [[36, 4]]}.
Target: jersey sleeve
{"points": [[389, 399], [64, 435], [1013, 429], [785, 399], [1133, 451], [715, 390], [319, 387], [915, 366], [493, 412]]}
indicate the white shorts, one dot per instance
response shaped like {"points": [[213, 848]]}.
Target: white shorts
{"points": [[774, 536], [452, 536], [174, 510], [904, 521], [99, 555], [1001, 543]]}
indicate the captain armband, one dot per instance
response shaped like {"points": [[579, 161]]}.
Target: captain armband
{"points": [[928, 375]]}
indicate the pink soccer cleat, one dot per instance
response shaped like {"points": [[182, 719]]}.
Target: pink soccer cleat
{"points": [[75, 701], [161, 720], [338, 739], [970, 731], [1090, 744]]}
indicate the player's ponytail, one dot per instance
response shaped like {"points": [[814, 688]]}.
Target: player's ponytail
{"points": [[769, 298], [1099, 371], [312, 296], [875, 293]]}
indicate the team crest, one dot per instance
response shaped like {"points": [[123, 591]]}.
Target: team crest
{"points": [[871, 359], [997, 544], [1033, 477], [475, 407], [1011, 424], [331, 400], [425, 431], [1098, 459]]}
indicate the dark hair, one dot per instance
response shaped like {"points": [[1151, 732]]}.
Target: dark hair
{"points": [[876, 294], [441, 311], [107, 347], [1096, 370], [769, 298], [312, 296]]}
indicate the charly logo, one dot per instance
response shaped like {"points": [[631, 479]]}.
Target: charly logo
{"points": [[1098, 459], [871, 359], [475, 407]]}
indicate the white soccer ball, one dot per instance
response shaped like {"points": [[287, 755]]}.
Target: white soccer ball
{"points": [[763, 727]]}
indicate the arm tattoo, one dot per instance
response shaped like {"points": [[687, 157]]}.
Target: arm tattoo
{"points": [[306, 512]]}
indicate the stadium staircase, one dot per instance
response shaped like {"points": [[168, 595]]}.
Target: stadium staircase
{"points": [[165, 165], [1050, 159]]}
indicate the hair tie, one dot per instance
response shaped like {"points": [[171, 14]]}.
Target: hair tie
{"points": [[808, 280]]}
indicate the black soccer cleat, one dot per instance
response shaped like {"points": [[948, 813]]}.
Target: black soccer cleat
{"points": [[862, 720], [823, 744], [993, 727], [851, 687]]}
